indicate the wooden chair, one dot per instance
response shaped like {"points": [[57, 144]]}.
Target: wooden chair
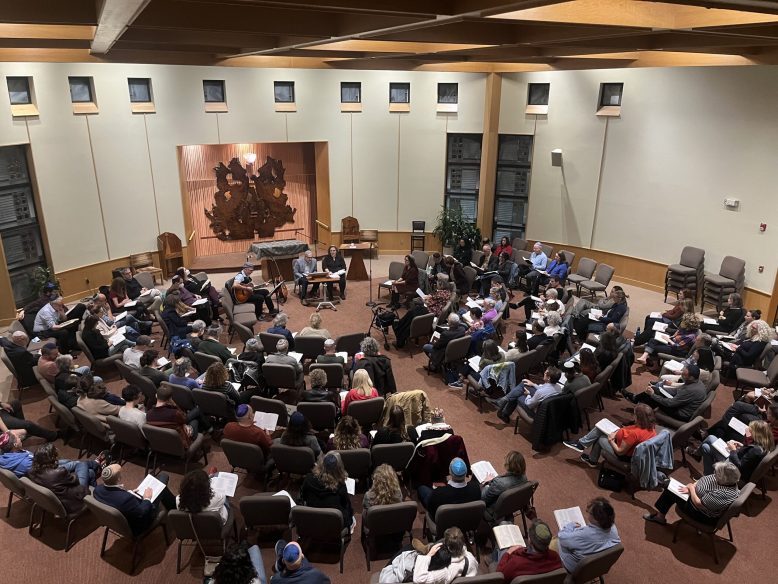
{"points": [[171, 253], [144, 263], [349, 230]]}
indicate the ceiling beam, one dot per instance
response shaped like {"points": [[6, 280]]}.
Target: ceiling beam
{"points": [[114, 18]]}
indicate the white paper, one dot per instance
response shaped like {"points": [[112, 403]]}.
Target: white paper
{"points": [[296, 355], [351, 486], [154, 484], [596, 312], [236, 385], [435, 336], [662, 337], [130, 304], [225, 482], [757, 392], [117, 338], [675, 486], [774, 343], [343, 354], [588, 346], [665, 393], [721, 447], [266, 420], [536, 299], [562, 380], [707, 320], [286, 494], [120, 316], [660, 326], [388, 282], [232, 350], [161, 361], [508, 536], [294, 334], [199, 301], [188, 313], [738, 426], [343, 394], [420, 293], [674, 366], [471, 303], [373, 433], [535, 316], [474, 362], [655, 315], [481, 469], [68, 322], [571, 515], [606, 426]]}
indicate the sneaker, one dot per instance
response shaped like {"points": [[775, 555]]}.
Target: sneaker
{"points": [[585, 458], [504, 417], [456, 385], [654, 518], [695, 453], [577, 446]]}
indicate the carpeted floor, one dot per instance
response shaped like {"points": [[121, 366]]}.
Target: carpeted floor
{"points": [[650, 556]]}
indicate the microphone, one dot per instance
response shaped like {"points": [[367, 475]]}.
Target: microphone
{"points": [[322, 225]]}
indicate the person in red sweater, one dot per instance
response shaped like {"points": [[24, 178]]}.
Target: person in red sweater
{"points": [[536, 558], [244, 430]]}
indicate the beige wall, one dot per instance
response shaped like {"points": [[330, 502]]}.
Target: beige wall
{"points": [[687, 138], [385, 169]]}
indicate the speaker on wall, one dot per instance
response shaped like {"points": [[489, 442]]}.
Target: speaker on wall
{"points": [[556, 157]]}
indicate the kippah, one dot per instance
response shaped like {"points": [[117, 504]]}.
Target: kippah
{"points": [[50, 346], [458, 468], [291, 554], [107, 473], [242, 410]]}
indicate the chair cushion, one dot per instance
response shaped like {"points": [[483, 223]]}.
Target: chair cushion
{"points": [[592, 285], [679, 269], [751, 377], [195, 446], [717, 280], [575, 278]]}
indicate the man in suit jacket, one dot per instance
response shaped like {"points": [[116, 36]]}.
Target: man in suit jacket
{"points": [[437, 350], [138, 509], [301, 268]]}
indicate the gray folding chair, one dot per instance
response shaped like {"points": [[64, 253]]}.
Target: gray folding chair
{"points": [[273, 406], [465, 516], [280, 376], [15, 488], [269, 342], [595, 566], [265, 510], [128, 434], [94, 429], [244, 455], [200, 529], [214, 403], [43, 499], [310, 347], [321, 415], [367, 412], [421, 326], [203, 360], [514, 501], [687, 273], [323, 525], [292, 460], [555, 577], [395, 271], [357, 462], [583, 272], [349, 343], [182, 395], [456, 353], [334, 373], [384, 520], [602, 277], [166, 441]]}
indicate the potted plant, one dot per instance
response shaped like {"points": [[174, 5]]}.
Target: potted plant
{"points": [[451, 226], [41, 275]]}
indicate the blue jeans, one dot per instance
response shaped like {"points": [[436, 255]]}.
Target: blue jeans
{"points": [[84, 369], [710, 455], [599, 442], [427, 348], [506, 405], [86, 470], [256, 561], [424, 495]]}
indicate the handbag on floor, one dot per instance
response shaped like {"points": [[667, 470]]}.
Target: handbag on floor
{"points": [[610, 480]]}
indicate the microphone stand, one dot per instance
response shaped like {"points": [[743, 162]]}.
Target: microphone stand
{"points": [[370, 279]]}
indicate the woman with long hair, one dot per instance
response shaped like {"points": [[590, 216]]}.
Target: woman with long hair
{"points": [[217, 378], [407, 283], [759, 335], [101, 346], [589, 364], [240, 564], [46, 472], [745, 455], [196, 495], [334, 264], [730, 318], [443, 562], [298, 433], [384, 488], [361, 388], [347, 436], [504, 247], [325, 487], [394, 431], [493, 486], [679, 344]]}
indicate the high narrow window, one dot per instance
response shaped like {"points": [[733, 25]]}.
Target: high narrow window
{"points": [[21, 95], [399, 97], [537, 98], [448, 97], [283, 94], [350, 96], [82, 95], [141, 96], [214, 95], [609, 103]]}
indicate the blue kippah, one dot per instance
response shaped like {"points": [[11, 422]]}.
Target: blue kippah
{"points": [[458, 468], [291, 554]]}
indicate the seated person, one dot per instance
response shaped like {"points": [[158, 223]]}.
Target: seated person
{"points": [[518, 346], [730, 318], [457, 274], [406, 284], [329, 355], [443, 561], [557, 268], [702, 357], [66, 380], [575, 379], [361, 389], [166, 414], [47, 472], [318, 391], [140, 512], [92, 399], [537, 262], [240, 564], [489, 311], [394, 431], [325, 487], [538, 336], [293, 567], [148, 368], [709, 497], [457, 490], [132, 355], [12, 418], [279, 328], [302, 268], [474, 320], [620, 443], [282, 357], [506, 267], [668, 317], [384, 488], [22, 360], [745, 455], [314, 328], [494, 486], [99, 346], [528, 395], [177, 326], [583, 324], [746, 411], [590, 366], [194, 338], [437, 265], [347, 436], [441, 296], [196, 495], [256, 296], [137, 292], [244, 430], [200, 287], [134, 326], [180, 374], [119, 299], [298, 433], [607, 350], [378, 366], [685, 399], [108, 327], [553, 321], [680, 343], [759, 335], [437, 350], [253, 352], [402, 326], [217, 379], [463, 252], [47, 364], [334, 264], [15, 459], [48, 324], [504, 247], [202, 310], [486, 269], [131, 411], [599, 534], [210, 344], [536, 558]]}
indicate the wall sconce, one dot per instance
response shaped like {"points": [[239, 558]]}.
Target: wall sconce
{"points": [[250, 159]]}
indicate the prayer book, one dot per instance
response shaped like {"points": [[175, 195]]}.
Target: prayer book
{"points": [[662, 337], [481, 469], [285, 494], [571, 515], [674, 366], [721, 447], [154, 484], [199, 301], [675, 486], [508, 536], [739, 426], [606, 426], [660, 326], [351, 486], [225, 482], [266, 420]]}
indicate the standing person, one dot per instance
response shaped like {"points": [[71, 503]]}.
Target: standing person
{"points": [[48, 324], [242, 281], [302, 268], [335, 265], [599, 534], [407, 283]]}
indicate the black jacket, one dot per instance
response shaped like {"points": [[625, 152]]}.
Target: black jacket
{"points": [[379, 367], [176, 326], [439, 347], [554, 416], [97, 344], [315, 494], [64, 485], [449, 495], [333, 265], [22, 360], [747, 459], [402, 327], [140, 513]]}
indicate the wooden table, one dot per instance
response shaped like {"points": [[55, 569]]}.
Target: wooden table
{"points": [[324, 280], [356, 269]]}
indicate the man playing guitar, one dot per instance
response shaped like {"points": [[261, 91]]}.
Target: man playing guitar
{"points": [[244, 291]]}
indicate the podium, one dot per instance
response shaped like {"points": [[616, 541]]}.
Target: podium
{"points": [[171, 254]]}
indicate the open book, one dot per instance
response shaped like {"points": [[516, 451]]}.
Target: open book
{"points": [[606, 426], [296, 355], [675, 486], [508, 536], [225, 482], [570, 515], [707, 320], [351, 486], [738, 426], [120, 316], [205, 285], [266, 420], [662, 337], [674, 366], [655, 315], [154, 484], [721, 447], [660, 326], [481, 469], [161, 361], [474, 362], [199, 301], [665, 393], [130, 304], [69, 322]]}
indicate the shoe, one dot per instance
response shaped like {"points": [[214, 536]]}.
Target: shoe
{"points": [[577, 446], [585, 458], [504, 417], [695, 453], [629, 396], [342, 295], [494, 401], [456, 385], [654, 518], [420, 546], [103, 459], [513, 305]]}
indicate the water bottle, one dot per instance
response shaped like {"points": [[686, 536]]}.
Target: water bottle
{"points": [[637, 334]]}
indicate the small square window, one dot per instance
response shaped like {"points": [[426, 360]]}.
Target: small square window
{"points": [[283, 91], [448, 93], [80, 89], [213, 91], [399, 93], [350, 92], [537, 93], [610, 94], [140, 90], [19, 90]]}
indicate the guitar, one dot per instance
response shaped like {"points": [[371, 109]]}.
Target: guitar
{"points": [[243, 292], [282, 294]]}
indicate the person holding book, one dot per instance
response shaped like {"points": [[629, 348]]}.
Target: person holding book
{"points": [[243, 429], [575, 541], [679, 344], [730, 317], [535, 558], [196, 496], [210, 344], [486, 269], [703, 500], [334, 264], [588, 324], [620, 442], [528, 395], [745, 455], [492, 486], [347, 436], [140, 509], [746, 354], [557, 268], [538, 260], [679, 402], [325, 487]]}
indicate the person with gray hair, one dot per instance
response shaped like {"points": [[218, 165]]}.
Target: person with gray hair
{"points": [[22, 360], [252, 352], [281, 357], [50, 323], [552, 321], [180, 374], [437, 350], [537, 262], [378, 366], [279, 328], [210, 344], [314, 328], [329, 355], [194, 337], [709, 497]]}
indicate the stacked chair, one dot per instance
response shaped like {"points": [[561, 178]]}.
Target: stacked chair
{"points": [[731, 278], [687, 273]]}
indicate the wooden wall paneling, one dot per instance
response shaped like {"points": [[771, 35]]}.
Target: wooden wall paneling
{"points": [[489, 149], [7, 304], [323, 206]]}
